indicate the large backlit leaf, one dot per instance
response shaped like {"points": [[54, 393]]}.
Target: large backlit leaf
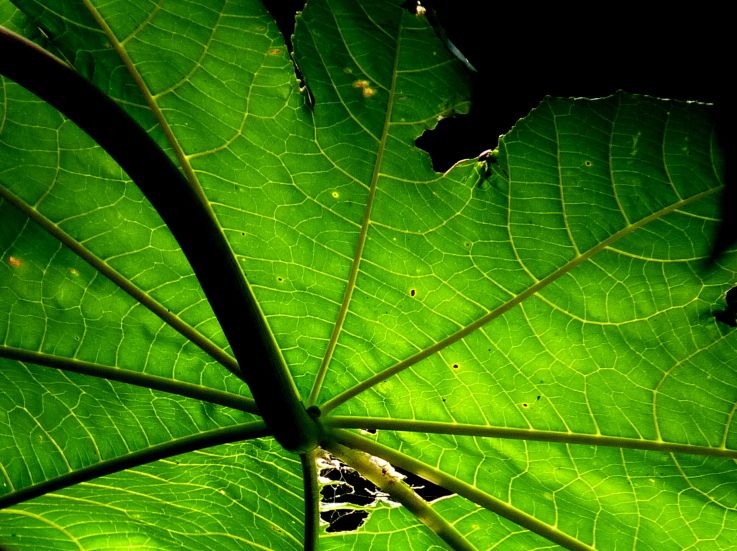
{"points": [[534, 331]]}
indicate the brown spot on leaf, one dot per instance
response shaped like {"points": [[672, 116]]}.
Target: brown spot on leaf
{"points": [[15, 262]]}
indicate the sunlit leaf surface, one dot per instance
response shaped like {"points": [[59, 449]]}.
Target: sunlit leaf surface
{"points": [[536, 330]]}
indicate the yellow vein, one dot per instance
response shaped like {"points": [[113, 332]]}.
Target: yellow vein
{"points": [[360, 245], [183, 328], [500, 310], [387, 481], [41, 519], [464, 429], [151, 101], [214, 437], [131, 377], [462, 488]]}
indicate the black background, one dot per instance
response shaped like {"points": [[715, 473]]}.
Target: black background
{"points": [[525, 51]]}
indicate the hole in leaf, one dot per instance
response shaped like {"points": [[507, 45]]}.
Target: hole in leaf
{"points": [[284, 13], [728, 316], [347, 497], [452, 139], [414, 7], [731, 299], [343, 520]]}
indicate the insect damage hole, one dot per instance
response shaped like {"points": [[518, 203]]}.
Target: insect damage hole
{"points": [[728, 316], [347, 498]]}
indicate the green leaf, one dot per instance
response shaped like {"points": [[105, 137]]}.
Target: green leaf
{"points": [[221, 498], [537, 330]]}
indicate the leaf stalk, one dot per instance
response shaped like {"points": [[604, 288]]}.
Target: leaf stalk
{"points": [[189, 220]]}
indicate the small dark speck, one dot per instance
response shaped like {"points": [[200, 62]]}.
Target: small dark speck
{"points": [[455, 366], [412, 292]]}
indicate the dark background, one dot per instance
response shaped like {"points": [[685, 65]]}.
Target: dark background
{"points": [[523, 52]]}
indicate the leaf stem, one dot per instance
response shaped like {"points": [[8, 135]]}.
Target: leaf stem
{"points": [[135, 459], [361, 243], [508, 305], [193, 226], [153, 106], [311, 499]]}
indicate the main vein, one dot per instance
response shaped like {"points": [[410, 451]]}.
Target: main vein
{"points": [[486, 431], [214, 437], [151, 101], [500, 310], [361, 243], [137, 378], [174, 321]]}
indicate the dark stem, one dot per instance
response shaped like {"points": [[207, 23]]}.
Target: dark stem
{"points": [[311, 499], [191, 223]]}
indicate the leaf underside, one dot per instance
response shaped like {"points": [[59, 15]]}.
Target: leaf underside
{"points": [[534, 330]]}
